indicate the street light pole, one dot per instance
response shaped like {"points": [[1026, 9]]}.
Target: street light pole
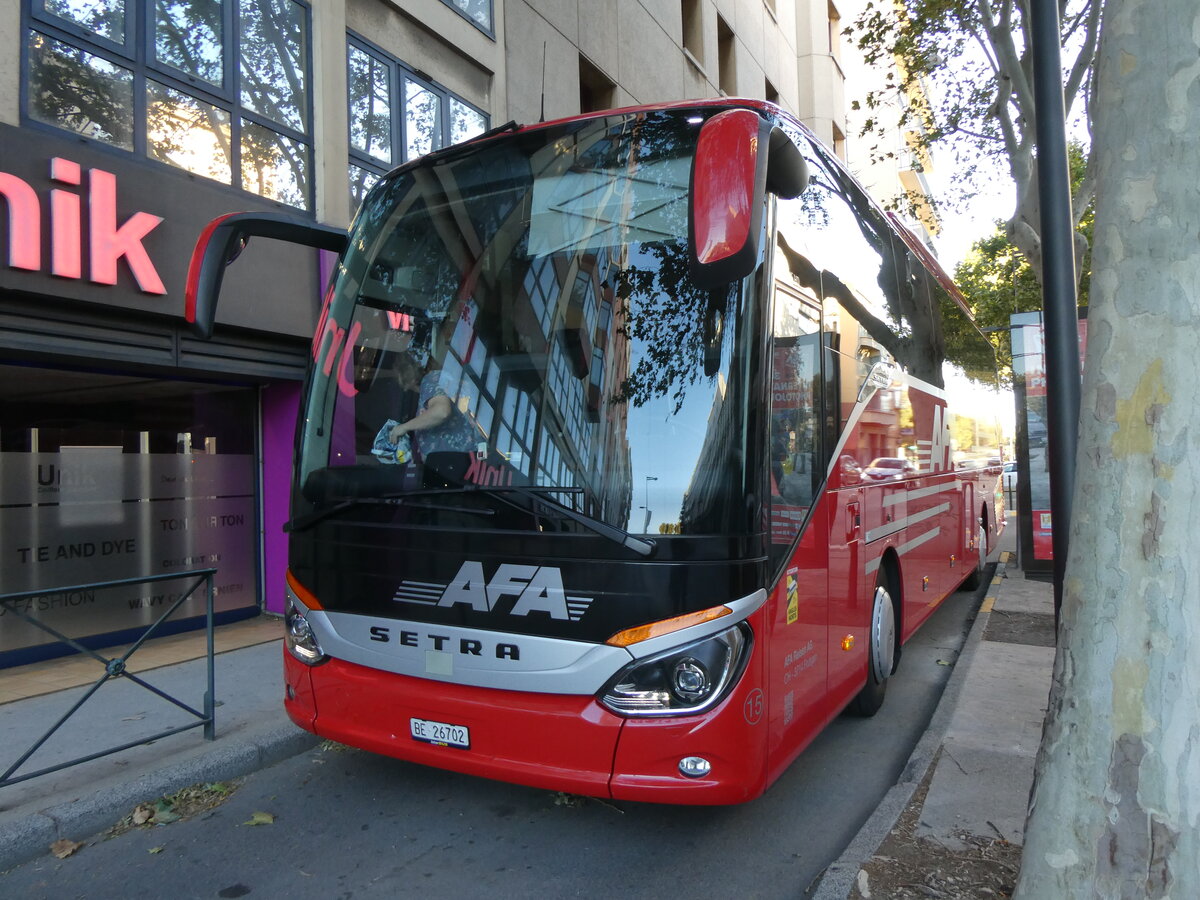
{"points": [[1058, 280], [646, 527]]}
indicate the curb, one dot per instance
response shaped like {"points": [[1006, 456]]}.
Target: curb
{"points": [[31, 835], [839, 877]]}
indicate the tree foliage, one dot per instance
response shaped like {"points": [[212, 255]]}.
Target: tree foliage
{"points": [[961, 76], [998, 280]]}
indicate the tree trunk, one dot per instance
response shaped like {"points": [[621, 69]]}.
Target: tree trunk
{"points": [[1115, 810]]}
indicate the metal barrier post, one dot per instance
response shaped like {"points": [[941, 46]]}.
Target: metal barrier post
{"points": [[210, 693], [117, 667]]}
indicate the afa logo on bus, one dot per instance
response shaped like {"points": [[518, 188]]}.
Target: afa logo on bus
{"points": [[532, 589]]}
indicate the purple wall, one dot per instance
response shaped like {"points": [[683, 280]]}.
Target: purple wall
{"points": [[280, 405]]}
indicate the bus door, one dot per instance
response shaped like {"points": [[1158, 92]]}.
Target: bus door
{"points": [[799, 549], [849, 599], [969, 528]]}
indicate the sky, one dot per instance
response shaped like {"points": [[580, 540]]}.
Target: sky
{"points": [[962, 229]]}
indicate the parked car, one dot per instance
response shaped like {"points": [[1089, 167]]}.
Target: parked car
{"points": [[1037, 430], [1009, 477], [885, 467]]}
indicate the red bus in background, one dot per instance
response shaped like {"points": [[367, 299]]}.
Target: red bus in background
{"points": [[584, 494]]}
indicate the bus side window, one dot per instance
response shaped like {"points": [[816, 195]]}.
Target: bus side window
{"points": [[835, 241]]}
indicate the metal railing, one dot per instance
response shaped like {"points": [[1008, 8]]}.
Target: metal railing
{"points": [[117, 667]]}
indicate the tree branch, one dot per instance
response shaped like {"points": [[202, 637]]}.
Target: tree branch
{"points": [[1000, 34], [1083, 61]]}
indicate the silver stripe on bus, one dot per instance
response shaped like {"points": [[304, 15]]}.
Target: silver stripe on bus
{"points": [[893, 499], [873, 565], [900, 524], [419, 592], [483, 658], [851, 423]]}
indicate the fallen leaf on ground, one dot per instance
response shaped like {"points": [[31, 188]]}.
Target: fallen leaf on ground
{"points": [[261, 818], [63, 848]]}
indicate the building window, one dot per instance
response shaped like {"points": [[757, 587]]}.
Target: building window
{"points": [[112, 461], [839, 142], [726, 68], [835, 32], [693, 29], [596, 90], [219, 88], [396, 115], [478, 12]]}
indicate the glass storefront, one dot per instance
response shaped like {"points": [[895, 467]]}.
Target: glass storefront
{"points": [[106, 477]]}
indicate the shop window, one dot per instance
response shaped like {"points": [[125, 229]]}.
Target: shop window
{"points": [[396, 115], [219, 88], [117, 476]]}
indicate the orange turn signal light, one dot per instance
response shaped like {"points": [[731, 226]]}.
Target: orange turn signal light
{"points": [[848, 642], [303, 594], [641, 633]]}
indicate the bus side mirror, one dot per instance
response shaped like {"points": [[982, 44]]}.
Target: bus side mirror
{"points": [[787, 172], [224, 238], [739, 156]]}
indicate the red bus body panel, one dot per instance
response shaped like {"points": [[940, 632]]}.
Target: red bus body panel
{"points": [[550, 741]]}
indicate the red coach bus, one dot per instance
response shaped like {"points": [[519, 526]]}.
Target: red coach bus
{"points": [[625, 459]]}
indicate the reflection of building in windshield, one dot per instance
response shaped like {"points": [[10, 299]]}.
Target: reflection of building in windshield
{"points": [[580, 352], [715, 490]]}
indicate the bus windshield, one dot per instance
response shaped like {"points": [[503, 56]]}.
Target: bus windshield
{"points": [[517, 318]]}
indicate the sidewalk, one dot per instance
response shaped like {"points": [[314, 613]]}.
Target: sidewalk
{"points": [[976, 758], [252, 731]]}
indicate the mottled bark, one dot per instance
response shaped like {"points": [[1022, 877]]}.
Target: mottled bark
{"points": [[1115, 811]]}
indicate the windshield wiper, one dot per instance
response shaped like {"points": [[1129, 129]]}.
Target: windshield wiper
{"points": [[534, 493], [302, 523]]}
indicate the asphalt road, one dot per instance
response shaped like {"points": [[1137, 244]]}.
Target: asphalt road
{"points": [[345, 823]]}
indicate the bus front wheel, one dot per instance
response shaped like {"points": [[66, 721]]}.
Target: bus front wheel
{"points": [[881, 657]]}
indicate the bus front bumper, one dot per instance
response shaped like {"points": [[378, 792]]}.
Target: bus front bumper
{"points": [[550, 741]]}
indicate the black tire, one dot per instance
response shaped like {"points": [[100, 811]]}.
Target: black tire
{"points": [[882, 657]]}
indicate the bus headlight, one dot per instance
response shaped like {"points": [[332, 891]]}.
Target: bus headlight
{"points": [[299, 638], [687, 679]]}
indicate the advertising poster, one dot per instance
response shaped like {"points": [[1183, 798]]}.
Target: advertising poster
{"points": [[1029, 371]]}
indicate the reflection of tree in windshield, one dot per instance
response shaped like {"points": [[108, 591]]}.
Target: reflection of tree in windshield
{"points": [[676, 325], [549, 269]]}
